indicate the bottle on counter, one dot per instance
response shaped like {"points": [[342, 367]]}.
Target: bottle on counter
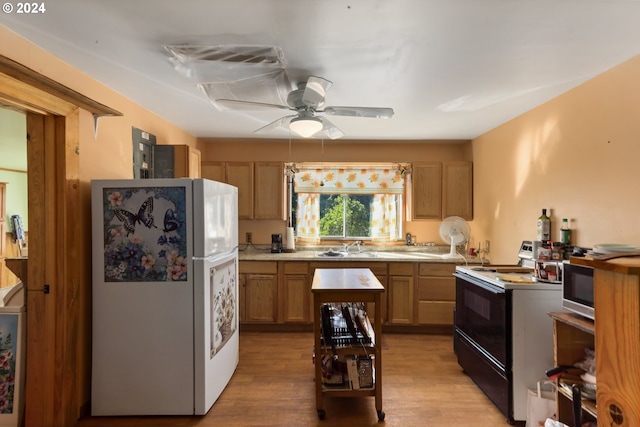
{"points": [[565, 232], [544, 227]]}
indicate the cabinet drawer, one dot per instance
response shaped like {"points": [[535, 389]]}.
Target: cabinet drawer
{"points": [[436, 288], [435, 312], [436, 269], [401, 268], [296, 267], [267, 267]]}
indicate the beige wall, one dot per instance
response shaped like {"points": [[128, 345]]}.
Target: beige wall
{"points": [[315, 150], [576, 155]]}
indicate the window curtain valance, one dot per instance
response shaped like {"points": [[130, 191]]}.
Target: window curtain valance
{"points": [[349, 179]]}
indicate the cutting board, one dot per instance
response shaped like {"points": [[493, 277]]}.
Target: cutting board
{"points": [[515, 278]]}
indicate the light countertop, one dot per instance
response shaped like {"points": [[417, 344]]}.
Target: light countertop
{"points": [[433, 254]]}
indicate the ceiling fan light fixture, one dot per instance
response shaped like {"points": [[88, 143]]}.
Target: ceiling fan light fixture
{"points": [[305, 126]]}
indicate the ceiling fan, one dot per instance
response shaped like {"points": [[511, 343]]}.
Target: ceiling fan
{"points": [[307, 101]]}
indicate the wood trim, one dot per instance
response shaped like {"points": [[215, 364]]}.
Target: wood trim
{"points": [[56, 362], [38, 85], [32, 99], [39, 364]]}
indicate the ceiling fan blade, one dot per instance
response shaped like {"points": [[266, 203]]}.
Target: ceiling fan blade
{"points": [[315, 91], [232, 104], [330, 129], [281, 122], [373, 112]]}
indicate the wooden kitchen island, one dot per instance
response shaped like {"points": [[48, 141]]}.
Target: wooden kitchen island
{"points": [[343, 289]]}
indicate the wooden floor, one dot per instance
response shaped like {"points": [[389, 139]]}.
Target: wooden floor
{"points": [[274, 386]]}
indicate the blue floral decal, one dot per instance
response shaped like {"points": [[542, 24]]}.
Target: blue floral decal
{"points": [[145, 236]]}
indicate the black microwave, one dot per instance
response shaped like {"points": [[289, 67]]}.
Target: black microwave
{"points": [[577, 289]]}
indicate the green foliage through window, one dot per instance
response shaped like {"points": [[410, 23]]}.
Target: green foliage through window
{"points": [[343, 215]]}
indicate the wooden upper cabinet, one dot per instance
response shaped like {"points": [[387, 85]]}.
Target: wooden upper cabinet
{"points": [[261, 186], [426, 193], [269, 190], [214, 171], [457, 190], [195, 167], [240, 174], [175, 161], [186, 162]]}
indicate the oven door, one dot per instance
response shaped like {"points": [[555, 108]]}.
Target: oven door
{"points": [[481, 314]]}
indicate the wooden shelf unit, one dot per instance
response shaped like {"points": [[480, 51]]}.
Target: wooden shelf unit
{"points": [[339, 285], [572, 334], [616, 340]]}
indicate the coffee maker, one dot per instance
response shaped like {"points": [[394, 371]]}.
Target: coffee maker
{"points": [[276, 243]]}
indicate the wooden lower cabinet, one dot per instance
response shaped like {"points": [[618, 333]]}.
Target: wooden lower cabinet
{"points": [[296, 293], [258, 291], [279, 292], [436, 294], [400, 293]]}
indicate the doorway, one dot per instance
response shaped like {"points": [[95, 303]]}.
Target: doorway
{"points": [[13, 172]]}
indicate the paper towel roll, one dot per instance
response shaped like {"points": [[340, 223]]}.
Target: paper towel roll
{"points": [[291, 240]]}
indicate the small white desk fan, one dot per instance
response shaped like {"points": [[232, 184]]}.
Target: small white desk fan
{"points": [[455, 231]]}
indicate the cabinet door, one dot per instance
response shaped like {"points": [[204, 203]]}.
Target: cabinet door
{"points": [[436, 294], [214, 171], [240, 174], [457, 194], [400, 294], [194, 163], [296, 298], [426, 184], [269, 190], [260, 298], [617, 345], [186, 161]]}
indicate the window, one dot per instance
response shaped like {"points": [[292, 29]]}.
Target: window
{"points": [[339, 201]]}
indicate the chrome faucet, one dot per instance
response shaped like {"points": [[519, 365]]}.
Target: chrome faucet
{"points": [[357, 242]]}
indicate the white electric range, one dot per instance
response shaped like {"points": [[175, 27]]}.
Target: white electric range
{"points": [[503, 336]]}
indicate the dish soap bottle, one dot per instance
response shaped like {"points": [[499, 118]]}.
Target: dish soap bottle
{"points": [[565, 232], [544, 227]]}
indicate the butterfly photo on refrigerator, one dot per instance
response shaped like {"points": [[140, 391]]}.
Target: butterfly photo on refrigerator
{"points": [[145, 234], [144, 216]]}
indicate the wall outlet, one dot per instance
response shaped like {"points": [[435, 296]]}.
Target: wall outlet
{"points": [[248, 238]]}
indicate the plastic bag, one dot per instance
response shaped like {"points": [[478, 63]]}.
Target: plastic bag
{"points": [[541, 405], [552, 423]]}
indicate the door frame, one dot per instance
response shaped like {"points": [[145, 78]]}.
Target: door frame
{"points": [[56, 245]]}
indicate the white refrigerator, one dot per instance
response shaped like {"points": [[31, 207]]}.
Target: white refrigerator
{"points": [[165, 295]]}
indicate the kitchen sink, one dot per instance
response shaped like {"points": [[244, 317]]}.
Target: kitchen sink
{"points": [[331, 254], [342, 254]]}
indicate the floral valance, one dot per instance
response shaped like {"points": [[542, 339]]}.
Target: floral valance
{"points": [[351, 179]]}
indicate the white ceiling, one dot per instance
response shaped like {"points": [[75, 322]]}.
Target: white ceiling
{"points": [[451, 69]]}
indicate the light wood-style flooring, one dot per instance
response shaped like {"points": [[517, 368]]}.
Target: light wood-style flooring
{"points": [[422, 385]]}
